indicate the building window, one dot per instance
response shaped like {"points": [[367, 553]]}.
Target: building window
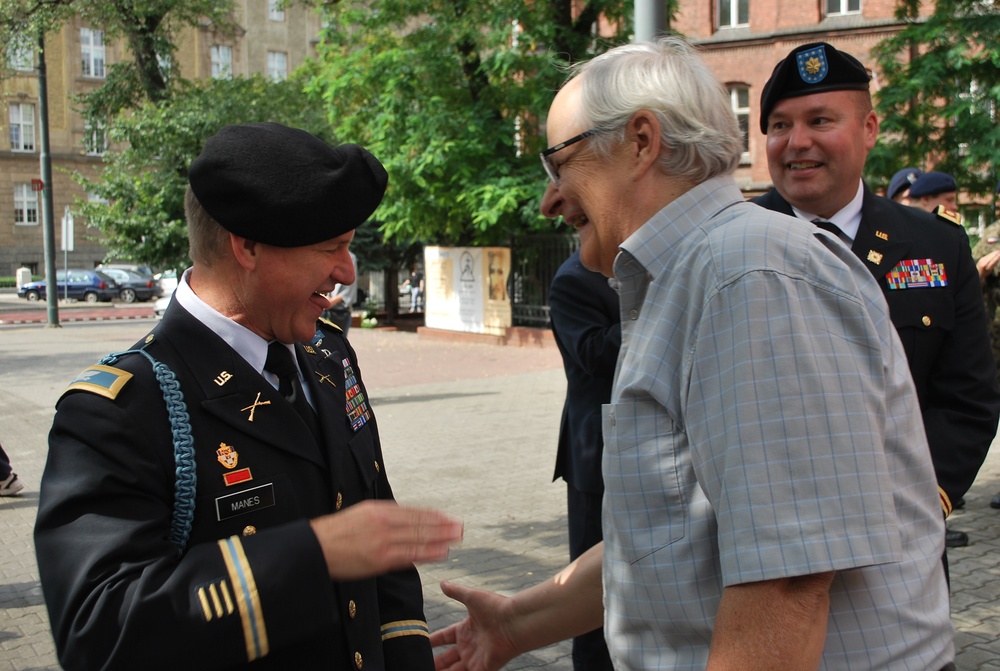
{"points": [[25, 205], [275, 10], [222, 62], [734, 13], [20, 56], [95, 140], [277, 65], [739, 97], [22, 127], [92, 52], [834, 7]]}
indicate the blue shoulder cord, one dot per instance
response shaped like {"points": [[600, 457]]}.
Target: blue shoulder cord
{"points": [[180, 427]]}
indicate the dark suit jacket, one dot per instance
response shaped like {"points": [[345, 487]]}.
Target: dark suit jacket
{"points": [[252, 581], [587, 327], [943, 330]]}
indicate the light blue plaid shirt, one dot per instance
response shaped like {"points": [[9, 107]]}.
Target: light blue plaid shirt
{"points": [[763, 425]]}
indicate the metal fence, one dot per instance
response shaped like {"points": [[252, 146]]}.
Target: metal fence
{"points": [[534, 262]]}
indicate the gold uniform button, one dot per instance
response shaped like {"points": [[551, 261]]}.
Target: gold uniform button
{"points": [[926, 321], [352, 609], [358, 662], [376, 467], [340, 501], [249, 530]]}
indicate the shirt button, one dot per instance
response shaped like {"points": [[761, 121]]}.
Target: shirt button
{"points": [[249, 530], [358, 662], [633, 314], [340, 501], [926, 321], [352, 609], [611, 419]]}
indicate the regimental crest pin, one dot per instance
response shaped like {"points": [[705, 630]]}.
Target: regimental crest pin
{"points": [[227, 456], [813, 66], [874, 257]]}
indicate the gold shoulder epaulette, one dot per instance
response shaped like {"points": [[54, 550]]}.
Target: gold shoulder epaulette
{"points": [[948, 215], [99, 379]]}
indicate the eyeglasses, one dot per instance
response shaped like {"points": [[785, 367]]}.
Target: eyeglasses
{"points": [[550, 168]]}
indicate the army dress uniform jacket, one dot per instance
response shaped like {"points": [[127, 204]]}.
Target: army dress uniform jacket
{"points": [[942, 328], [250, 588]]}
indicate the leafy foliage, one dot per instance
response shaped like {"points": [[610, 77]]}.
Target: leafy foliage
{"points": [[939, 108], [144, 183], [450, 95]]}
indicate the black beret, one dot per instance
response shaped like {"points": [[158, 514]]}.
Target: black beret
{"points": [[812, 68], [902, 180], [283, 186], [933, 183]]}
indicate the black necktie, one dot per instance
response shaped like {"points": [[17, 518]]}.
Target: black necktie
{"points": [[831, 228], [280, 362]]}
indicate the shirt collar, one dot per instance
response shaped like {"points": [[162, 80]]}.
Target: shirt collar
{"points": [[247, 344], [848, 219]]}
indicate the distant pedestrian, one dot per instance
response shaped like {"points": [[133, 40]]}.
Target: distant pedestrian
{"points": [[9, 484]]}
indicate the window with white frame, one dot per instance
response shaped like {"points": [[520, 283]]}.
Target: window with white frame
{"points": [[92, 52], [275, 10], [222, 61], [20, 56], [734, 13], [95, 140], [277, 65], [834, 7], [22, 127], [739, 98], [25, 205]]}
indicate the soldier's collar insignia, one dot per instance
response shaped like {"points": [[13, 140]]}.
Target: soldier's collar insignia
{"points": [[874, 257], [812, 64], [253, 406], [882, 236]]}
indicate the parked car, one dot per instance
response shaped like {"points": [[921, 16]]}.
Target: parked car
{"points": [[167, 281], [132, 286], [160, 306], [88, 285], [134, 267]]}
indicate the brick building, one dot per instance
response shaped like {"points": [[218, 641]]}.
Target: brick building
{"points": [[272, 41], [742, 40]]}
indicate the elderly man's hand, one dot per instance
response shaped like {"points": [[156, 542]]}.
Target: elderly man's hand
{"points": [[480, 642], [374, 537]]}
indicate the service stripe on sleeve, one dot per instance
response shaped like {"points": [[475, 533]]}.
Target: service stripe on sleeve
{"points": [[247, 598], [404, 628], [946, 505]]}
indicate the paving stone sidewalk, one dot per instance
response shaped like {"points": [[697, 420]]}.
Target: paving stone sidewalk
{"points": [[467, 428]]}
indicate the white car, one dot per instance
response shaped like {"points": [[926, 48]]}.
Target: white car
{"points": [[160, 306]]}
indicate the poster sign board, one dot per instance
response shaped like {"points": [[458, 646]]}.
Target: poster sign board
{"points": [[466, 289]]}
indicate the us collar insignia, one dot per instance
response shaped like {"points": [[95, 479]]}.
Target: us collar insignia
{"points": [[882, 236], [325, 378], [813, 66], [917, 274], [223, 378], [253, 406]]}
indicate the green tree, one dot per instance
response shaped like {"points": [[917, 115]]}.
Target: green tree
{"points": [[149, 28], [451, 95], [938, 103], [144, 183]]}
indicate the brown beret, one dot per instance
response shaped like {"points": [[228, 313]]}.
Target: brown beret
{"points": [[812, 68], [283, 186]]}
